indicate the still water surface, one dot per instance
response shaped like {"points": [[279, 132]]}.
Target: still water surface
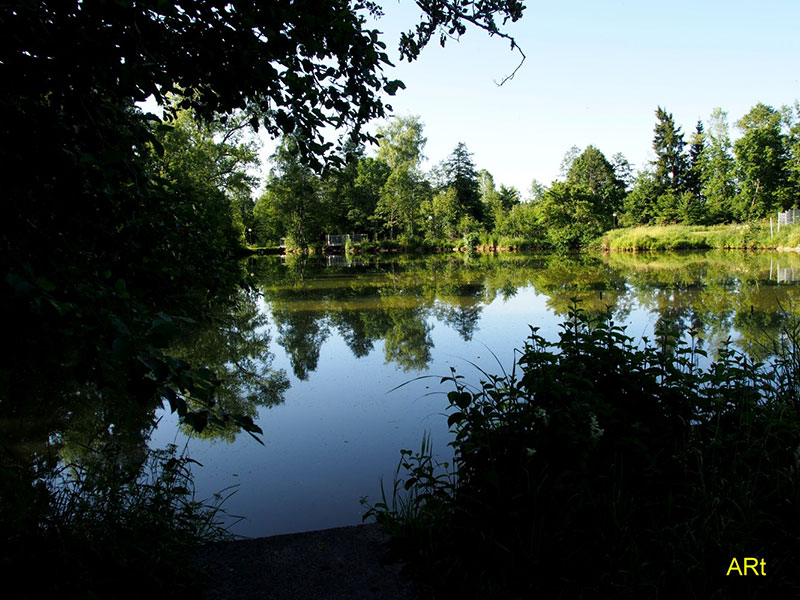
{"points": [[338, 336]]}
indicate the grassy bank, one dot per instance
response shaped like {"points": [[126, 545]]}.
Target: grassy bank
{"points": [[746, 236], [600, 468]]}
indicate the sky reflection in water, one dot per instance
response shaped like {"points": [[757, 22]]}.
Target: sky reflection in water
{"points": [[346, 335]]}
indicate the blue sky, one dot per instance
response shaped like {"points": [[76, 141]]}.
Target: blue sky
{"points": [[595, 73]]}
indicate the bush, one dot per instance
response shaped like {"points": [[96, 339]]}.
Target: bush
{"points": [[470, 240], [605, 469]]}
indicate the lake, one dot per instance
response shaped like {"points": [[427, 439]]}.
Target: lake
{"points": [[350, 352]]}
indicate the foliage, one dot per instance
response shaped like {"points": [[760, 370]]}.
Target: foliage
{"points": [[671, 164], [791, 120], [441, 215], [695, 167], [632, 461], [124, 234], [761, 164], [291, 201], [521, 222], [716, 165], [400, 147], [460, 174], [104, 522], [592, 171], [570, 216]]}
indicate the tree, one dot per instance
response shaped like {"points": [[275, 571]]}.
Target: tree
{"points": [[716, 165], [508, 197], [536, 191], [399, 201], [623, 170], [371, 176], [569, 217], [293, 193], [696, 145], [491, 207], [461, 175], [486, 188], [761, 164], [639, 206], [95, 210], [400, 147], [103, 241], [441, 215], [215, 155], [791, 120], [671, 165], [566, 162], [401, 143], [592, 171]]}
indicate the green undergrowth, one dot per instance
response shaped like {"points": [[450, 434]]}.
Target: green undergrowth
{"points": [[695, 237], [603, 468], [111, 526]]}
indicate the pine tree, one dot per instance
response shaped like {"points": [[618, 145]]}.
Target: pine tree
{"points": [[671, 165], [461, 175], [696, 146]]}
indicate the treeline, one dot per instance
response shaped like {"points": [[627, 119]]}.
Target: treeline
{"points": [[703, 180]]}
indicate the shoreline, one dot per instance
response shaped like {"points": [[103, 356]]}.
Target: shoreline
{"points": [[351, 562]]}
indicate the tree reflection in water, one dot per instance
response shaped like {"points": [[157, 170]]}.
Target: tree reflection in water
{"points": [[398, 299]]}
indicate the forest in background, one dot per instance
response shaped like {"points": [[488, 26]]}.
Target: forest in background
{"points": [[704, 178]]}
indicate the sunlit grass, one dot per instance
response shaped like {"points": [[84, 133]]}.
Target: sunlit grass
{"points": [[751, 236]]}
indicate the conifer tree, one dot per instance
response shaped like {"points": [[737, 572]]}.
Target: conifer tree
{"points": [[461, 175], [695, 151], [671, 165]]}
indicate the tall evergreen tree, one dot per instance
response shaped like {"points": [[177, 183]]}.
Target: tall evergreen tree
{"points": [[623, 170], [671, 165], [693, 183], [461, 175]]}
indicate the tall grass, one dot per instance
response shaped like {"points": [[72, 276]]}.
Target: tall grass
{"points": [[696, 237], [108, 528]]}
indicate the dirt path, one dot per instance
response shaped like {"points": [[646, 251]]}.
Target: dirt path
{"points": [[344, 563]]}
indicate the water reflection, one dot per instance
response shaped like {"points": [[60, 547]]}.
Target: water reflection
{"points": [[396, 300], [235, 347], [349, 330]]}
